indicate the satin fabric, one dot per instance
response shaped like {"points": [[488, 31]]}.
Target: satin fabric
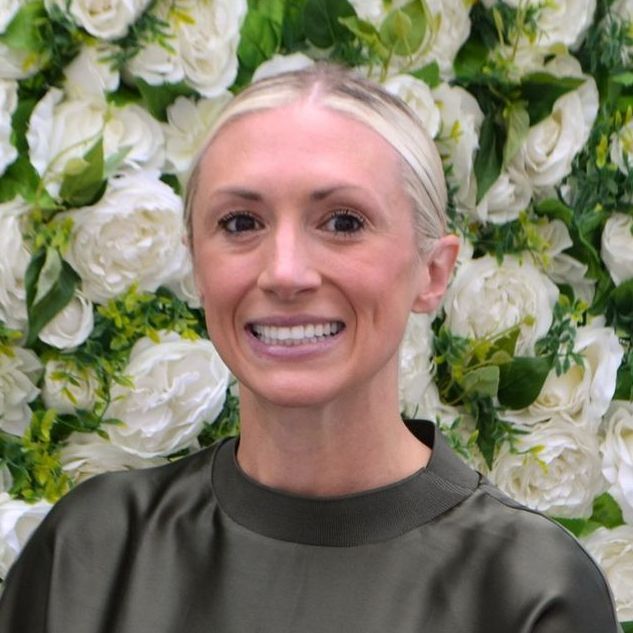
{"points": [[197, 546]]}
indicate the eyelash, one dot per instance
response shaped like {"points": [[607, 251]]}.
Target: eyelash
{"points": [[233, 215], [346, 213]]}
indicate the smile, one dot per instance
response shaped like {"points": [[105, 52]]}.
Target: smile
{"points": [[296, 334]]}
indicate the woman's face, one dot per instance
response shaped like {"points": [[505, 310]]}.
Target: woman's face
{"points": [[305, 254]]}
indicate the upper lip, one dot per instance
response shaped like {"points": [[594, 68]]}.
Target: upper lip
{"points": [[291, 320]]}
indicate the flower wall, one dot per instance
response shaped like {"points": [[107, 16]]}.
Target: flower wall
{"points": [[528, 368]]}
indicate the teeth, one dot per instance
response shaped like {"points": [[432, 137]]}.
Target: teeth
{"points": [[297, 334]]}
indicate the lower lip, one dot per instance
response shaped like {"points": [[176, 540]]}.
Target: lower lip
{"points": [[299, 352]]}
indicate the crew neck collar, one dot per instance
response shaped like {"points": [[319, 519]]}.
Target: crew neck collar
{"points": [[343, 521]]}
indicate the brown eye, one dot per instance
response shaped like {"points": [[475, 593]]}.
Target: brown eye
{"points": [[239, 222], [344, 222]]}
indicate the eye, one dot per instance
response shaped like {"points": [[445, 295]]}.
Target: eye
{"points": [[239, 222], [344, 221]]}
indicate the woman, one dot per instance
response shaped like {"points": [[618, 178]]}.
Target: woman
{"points": [[315, 217]]}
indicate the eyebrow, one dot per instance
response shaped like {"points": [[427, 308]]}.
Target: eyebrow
{"points": [[317, 194]]}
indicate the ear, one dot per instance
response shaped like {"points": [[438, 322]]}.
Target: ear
{"points": [[439, 264]]}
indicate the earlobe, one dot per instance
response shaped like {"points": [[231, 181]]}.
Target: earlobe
{"points": [[439, 265]]}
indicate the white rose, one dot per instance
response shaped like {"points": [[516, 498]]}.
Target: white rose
{"points": [[19, 372], [70, 327], [617, 455], [203, 46], [68, 388], [18, 64], [613, 551], [133, 131], [184, 287], [281, 64], [90, 72], [487, 298], [178, 386], [551, 145], [583, 393], [617, 247], [61, 130], [621, 147], [556, 469], [560, 267], [417, 95], [416, 375], [105, 20], [6, 480], [373, 11], [86, 454], [13, 264], [509, 195], [8, 104], [18, 520], [188, 123], [132, 235], [8, 9], [459, 140]]}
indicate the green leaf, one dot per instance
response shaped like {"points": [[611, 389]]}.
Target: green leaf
{"points": [[430, 74], [555, 210], [20, 178], [517, 125], [489, 159], [627, 627], [541, 90], [578, 527], [321, 21], [507, 343], [85, 183], [260, 36], [293, 31], [367, 34], [23, 32], [625, 78], [470, 60], [483, 381], [521, 381], [405, 29], [607, 512], [50, 285], [158, 98]]}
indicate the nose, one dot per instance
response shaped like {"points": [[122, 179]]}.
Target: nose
{"points": [[288, 268]]}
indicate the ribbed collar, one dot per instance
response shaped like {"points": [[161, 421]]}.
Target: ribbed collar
{"points": [[355, 519]]}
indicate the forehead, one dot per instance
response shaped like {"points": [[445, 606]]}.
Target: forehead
{"points": [[305, 136]]}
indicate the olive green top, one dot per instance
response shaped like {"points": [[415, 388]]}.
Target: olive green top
{"points": [[197, 546]]}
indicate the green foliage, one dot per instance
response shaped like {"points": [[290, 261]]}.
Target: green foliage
{"points": [[227, 423], [158, 98], [321, 21], [261, 34], [84, 178], [606, 513]]}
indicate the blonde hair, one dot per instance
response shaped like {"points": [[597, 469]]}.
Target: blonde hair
{"points": [[342, 91]]}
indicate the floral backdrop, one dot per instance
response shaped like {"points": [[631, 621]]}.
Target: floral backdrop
{"points": [[528, 368]]}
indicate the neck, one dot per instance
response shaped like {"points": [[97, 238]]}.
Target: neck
{"points": [[355, 444]]}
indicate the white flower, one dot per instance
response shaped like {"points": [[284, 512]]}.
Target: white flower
{"points": [[507, 197], [6, 480], [281, 64], [565, 22], [90, 72], [132, 130], [178, 386], [583, 393], [617, 247], [19, 371], [184, 287], [8, 9], [486, 298], [459, 140], [417, 95], [70, 327], [617, 455], [613, 551], [416, 376], [621, 147], [188, 123], [67, 388], [556, 469], [18, 520], [105, 20], [132, 235], [13, 263], [63, 129], [8, 104], [203, 46], [18, 64], [551, 145], [86, 454]]}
